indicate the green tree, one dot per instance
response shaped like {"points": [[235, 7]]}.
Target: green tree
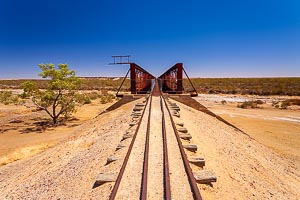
{"points": [[60, 96]]}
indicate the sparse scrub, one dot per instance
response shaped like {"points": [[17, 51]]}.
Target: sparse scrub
{"points": [[248, 104], [7, 97], [223, 102], [252, 86], [107, 98], [285, 104], [259, 102]]}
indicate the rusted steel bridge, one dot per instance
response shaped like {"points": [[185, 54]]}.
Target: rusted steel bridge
{"points": [[171, 80], [142, 82]]}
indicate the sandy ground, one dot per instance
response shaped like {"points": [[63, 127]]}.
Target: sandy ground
{"points": [[69, 169], [130, 185], [275, 128], [23, 131], [246, 168], [155, 165]]}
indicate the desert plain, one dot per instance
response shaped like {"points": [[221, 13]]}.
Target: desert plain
{"points": [[40, 162]]}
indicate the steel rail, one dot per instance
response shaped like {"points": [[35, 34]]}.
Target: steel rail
{"points": [[167, 187], [188, 170], [118, 181], [143, 194]]}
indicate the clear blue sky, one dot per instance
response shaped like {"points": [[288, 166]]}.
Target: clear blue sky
{"points": [[213, 38]]}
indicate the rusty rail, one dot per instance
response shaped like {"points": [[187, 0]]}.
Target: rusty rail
{"points": [[188, 170], [166, 173], [143, 194], [167, 187], [119, 178]]}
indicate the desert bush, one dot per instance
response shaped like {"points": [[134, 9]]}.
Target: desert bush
{"points": [[248, 104], [285, 104], [7, 97], [293, 101], [87, 100], [107, 98], [259, 102], [59, 98], [83, 99], [93, 95], [223, 102]]}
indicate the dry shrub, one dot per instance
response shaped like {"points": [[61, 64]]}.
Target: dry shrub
{"points": [[248, 104]]}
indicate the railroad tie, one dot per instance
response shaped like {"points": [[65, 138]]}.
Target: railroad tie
{"points": [[180, 124], [111, 159], [185, 136], [198, 161], [204, 177], [120, 146], [182, 130], [104, 178], [190, 147]]}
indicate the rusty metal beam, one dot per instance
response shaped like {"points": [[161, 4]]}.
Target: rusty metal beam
{"points": [[171, 80], [140, 80]]}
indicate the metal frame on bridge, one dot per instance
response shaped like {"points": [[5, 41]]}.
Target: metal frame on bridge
{"points": [[142, 82], [171, 80]]}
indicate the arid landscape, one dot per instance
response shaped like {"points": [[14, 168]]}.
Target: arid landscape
{"points": [[276, 128], [150, 100], [40, 161]]}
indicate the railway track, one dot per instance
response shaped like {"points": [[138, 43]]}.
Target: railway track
{"points": [[155, 166]]}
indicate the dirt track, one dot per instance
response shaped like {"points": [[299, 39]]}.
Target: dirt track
{"points": [[245, 168]]}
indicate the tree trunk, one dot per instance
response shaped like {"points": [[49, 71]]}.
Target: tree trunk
{"points": [[54, 120]]}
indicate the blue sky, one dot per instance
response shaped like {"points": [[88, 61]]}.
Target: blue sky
{"points": [[213, 38]]}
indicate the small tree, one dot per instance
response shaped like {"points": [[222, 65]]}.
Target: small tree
{"points": [[59, 97]]}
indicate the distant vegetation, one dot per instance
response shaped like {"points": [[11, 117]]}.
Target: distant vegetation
{"points": [[286, 103], [86, 83], [252, 86], [7, 97], [250, 104]]}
